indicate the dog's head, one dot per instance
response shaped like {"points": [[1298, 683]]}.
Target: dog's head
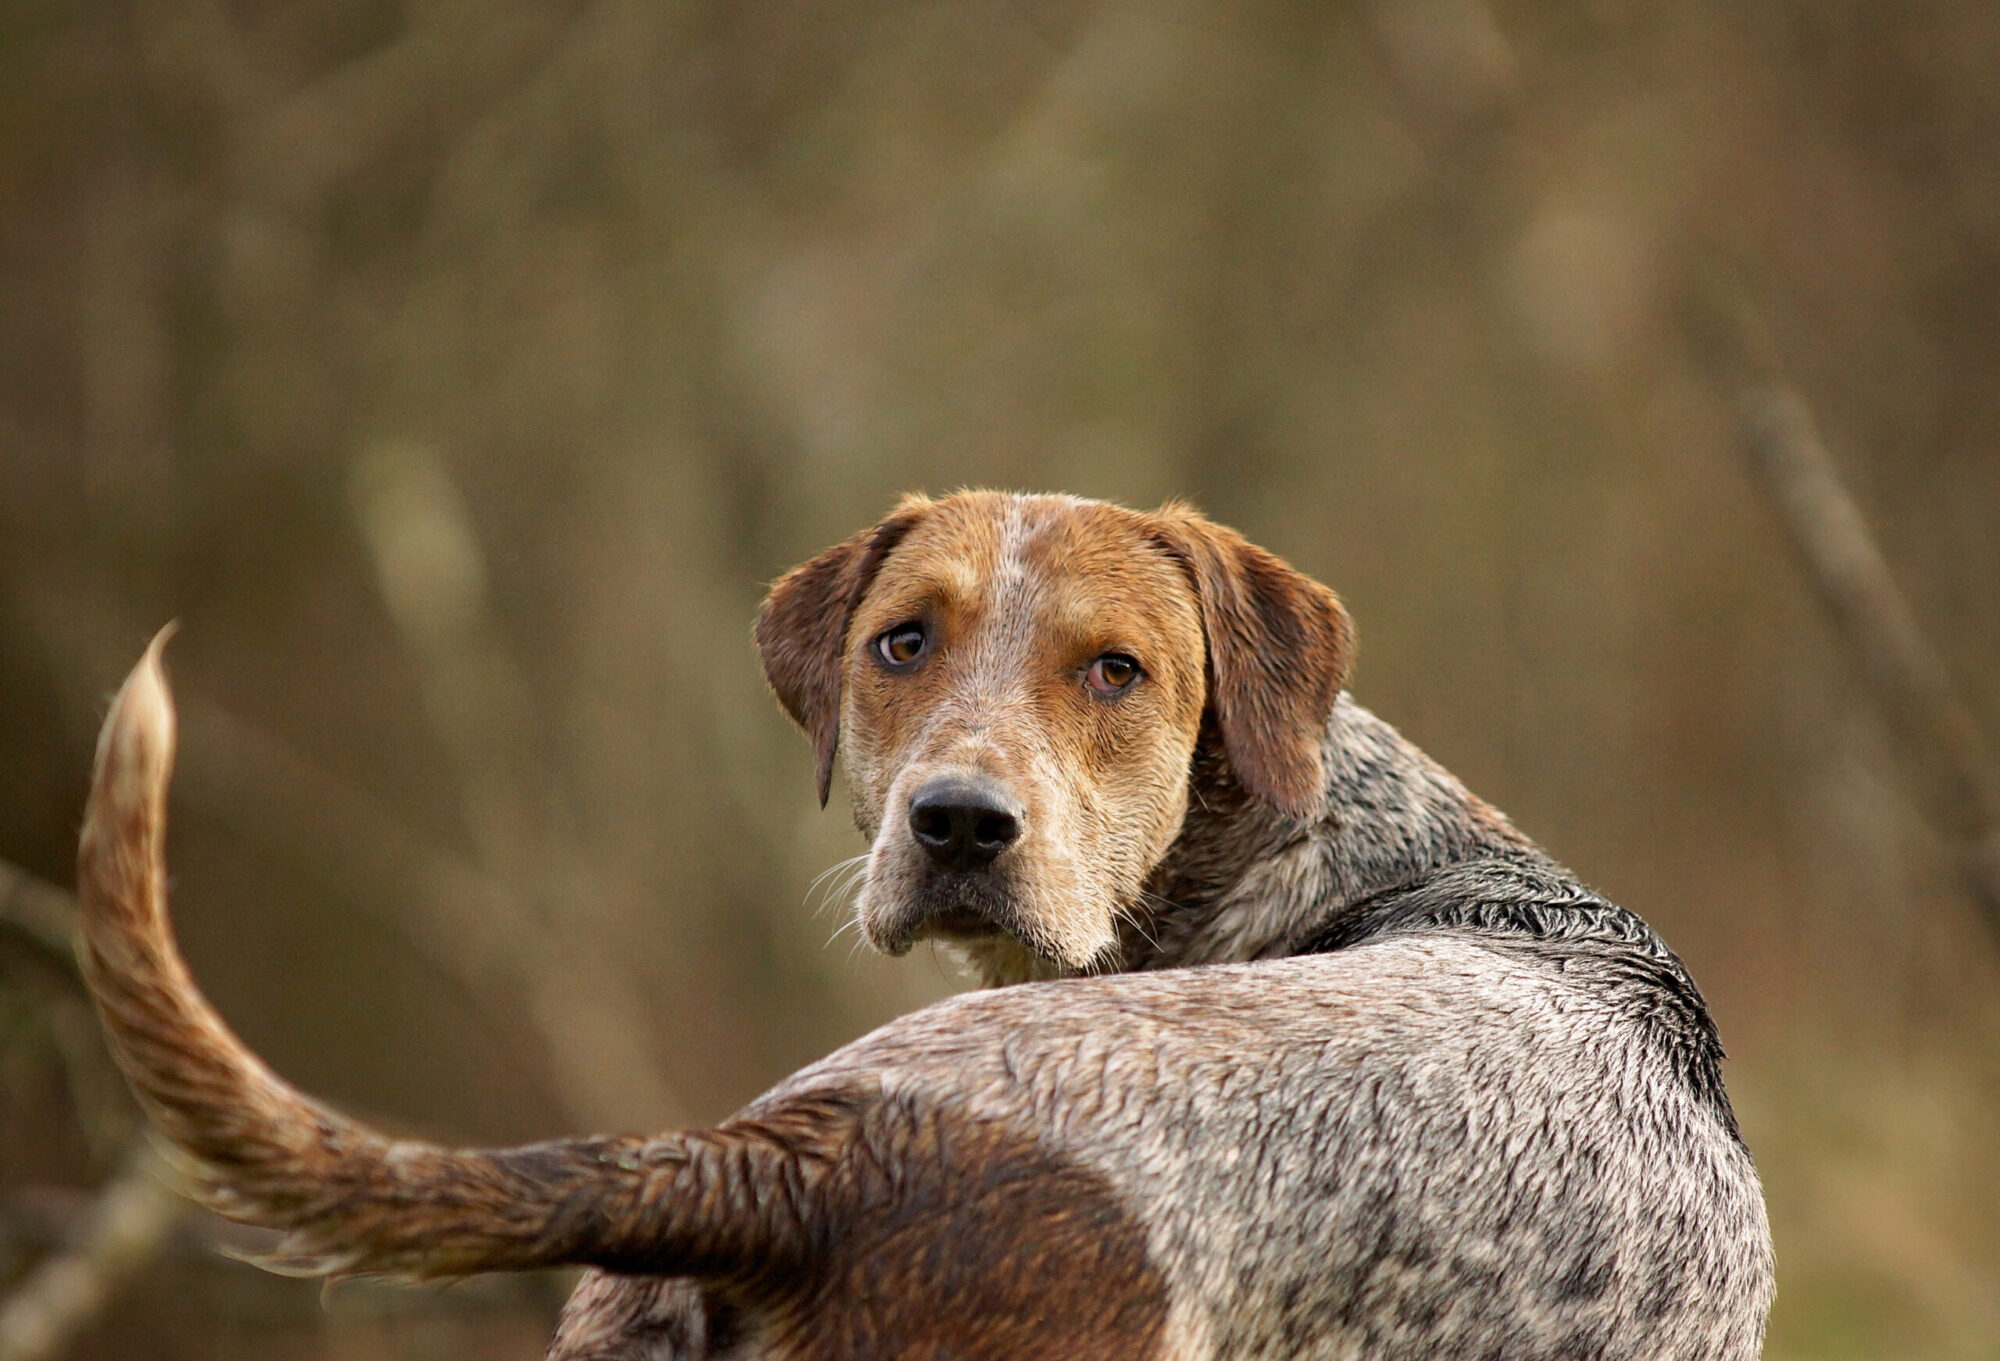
{"points": [[1018, 685]]}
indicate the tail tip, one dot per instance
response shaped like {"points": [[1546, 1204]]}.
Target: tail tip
{"points": [[140, 723]]}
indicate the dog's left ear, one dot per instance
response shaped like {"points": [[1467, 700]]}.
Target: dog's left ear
{"points": [[801, 629], [1279, 648]]}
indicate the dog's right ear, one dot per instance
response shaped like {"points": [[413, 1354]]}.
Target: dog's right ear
{"points": [[802, 628]]}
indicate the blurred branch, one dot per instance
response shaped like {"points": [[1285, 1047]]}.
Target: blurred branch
{"points": [[129, 1217], [434, 582], [416, 89], [1957, 782], [461, 920], [39, 913], [126, 1228], [45, 917]]}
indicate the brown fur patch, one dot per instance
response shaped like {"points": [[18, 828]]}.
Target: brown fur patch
{"points": [[928, 1234], [950, 1237]]}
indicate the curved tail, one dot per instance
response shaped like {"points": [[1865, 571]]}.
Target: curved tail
{"points": [[350, 1200]]}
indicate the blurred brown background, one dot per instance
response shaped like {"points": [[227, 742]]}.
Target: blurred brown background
{"points": [[457, 373]]}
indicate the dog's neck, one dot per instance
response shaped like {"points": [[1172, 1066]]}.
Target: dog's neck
{"points": [[1244, 881]]}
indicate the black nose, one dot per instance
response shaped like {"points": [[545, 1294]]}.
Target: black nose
{"points": [[963, 822]]}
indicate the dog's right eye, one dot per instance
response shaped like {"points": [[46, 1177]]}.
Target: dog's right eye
{"points": [[901, 645]]}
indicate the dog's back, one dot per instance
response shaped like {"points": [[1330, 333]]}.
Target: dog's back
{"points": [[1435, 1144]]}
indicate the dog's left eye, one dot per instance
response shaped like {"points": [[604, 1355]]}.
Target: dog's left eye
{"points": [[1111, 674], [901, 645]]}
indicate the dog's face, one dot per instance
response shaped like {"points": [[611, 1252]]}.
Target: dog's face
{"points": [[1018, 684]]}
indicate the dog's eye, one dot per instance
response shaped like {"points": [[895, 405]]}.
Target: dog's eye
{"points": [[901, 645], [1111, 674]]}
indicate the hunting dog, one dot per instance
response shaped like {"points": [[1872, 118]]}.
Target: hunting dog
{"points": [[1425, 1096]]}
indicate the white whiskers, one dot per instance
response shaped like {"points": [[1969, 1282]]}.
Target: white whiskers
{"points": [[835, 887], [843, 874]]}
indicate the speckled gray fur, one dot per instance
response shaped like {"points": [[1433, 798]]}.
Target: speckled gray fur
{"points": [[1477, 1112]]}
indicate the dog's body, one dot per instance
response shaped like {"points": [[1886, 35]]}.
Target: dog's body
{"points": [[1458, 1105], [1482, 1116]]}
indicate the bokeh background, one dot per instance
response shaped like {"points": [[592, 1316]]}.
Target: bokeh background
{"points": [[458, 371]]}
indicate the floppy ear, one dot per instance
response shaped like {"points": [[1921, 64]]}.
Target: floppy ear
{"points": [[1279, 648], [801, 629]]}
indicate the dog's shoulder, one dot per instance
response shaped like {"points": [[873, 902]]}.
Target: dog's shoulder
{"points": [[1518, 902]]}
